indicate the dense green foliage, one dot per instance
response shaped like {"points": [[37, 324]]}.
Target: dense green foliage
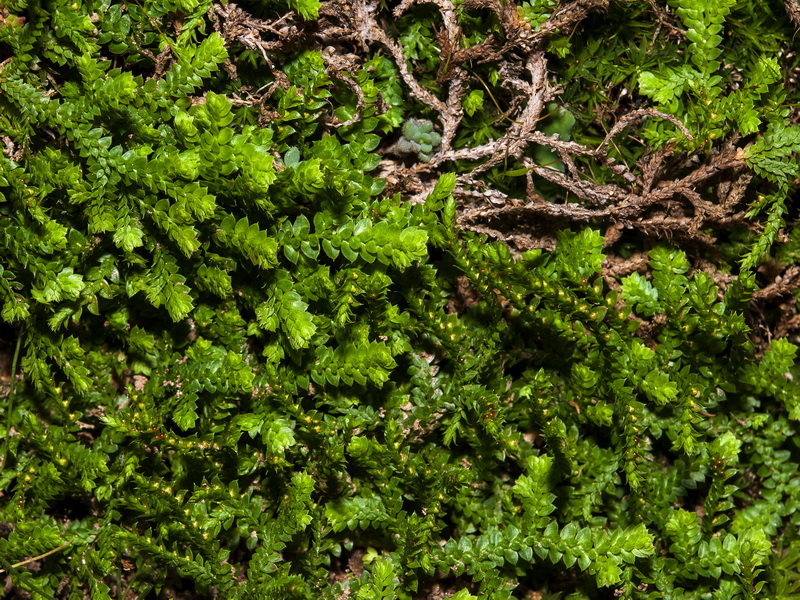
{"points": [[249, 367]]}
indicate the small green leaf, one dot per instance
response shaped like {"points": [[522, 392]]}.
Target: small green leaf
{"points": [[473, 102]]}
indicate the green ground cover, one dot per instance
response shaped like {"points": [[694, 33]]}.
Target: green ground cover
{"points": [[469, 299]]}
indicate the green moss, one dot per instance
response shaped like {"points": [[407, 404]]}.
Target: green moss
{"points": [[249, 371]]}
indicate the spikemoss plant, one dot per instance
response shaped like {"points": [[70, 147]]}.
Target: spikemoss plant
{"points": [[238, 363]]}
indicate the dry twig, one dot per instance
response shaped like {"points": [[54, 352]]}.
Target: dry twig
{"points": [[793, 10]]}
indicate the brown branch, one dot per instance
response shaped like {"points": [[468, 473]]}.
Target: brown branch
{"points": [[663, 20], [650, 166], [638, 115], [367, 30], [238, 25], [520, 134], [512, 213], [636, 204], [616, 266], [784, 284], [592, 193], [450, 111], [674, 210], [648, 197], [793, 10], [562, 19], [339, 66]]}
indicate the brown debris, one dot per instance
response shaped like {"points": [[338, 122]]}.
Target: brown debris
{"points": [[648, 330], [339, 67], [668, 195], [564, 18], [465, 298], [616, 266], [793, 10], [234, 24], [672, 209], [662, 197], [783, 284]]}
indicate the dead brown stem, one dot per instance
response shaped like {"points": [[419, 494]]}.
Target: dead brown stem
{"points": [[793, 10]]}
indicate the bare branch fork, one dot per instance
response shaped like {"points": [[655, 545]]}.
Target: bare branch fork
{"points": [[674, 208]]}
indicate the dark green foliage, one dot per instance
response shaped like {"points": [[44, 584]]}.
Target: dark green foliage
{"points": [[249, 371]]}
